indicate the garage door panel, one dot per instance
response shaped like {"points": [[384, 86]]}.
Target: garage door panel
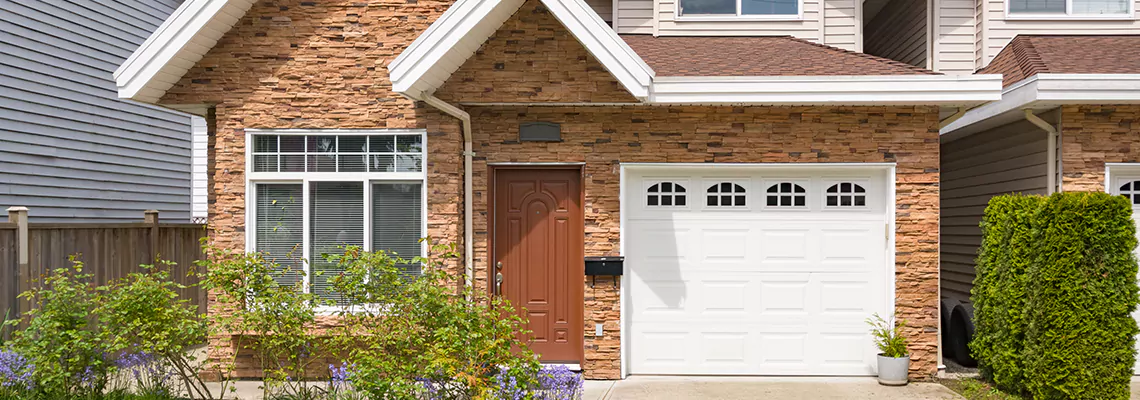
{"points": [[758, 291]]}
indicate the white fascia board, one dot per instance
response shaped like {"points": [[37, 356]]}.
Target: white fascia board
{"points": [[461, 21], [1046, 91], [475, 20], [135, 77], [604, 44], [815, 90]]}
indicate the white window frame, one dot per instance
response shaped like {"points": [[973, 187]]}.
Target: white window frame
{"points": [[744, 183], [798, 16], [252, 179], [809, 191], [1069, 15], [866, 184]]}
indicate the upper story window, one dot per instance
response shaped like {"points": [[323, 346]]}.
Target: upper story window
{"points": [[1069, 7], [750, 8], [314, 194]]}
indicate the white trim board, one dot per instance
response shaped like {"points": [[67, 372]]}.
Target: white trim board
{"points": [[853, 90], [161, 61], [1046, 92]]}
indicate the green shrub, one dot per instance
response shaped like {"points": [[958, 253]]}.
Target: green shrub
{"points": [[1080, 338], [61, 340], [888, 336], [999, 291], [275, 322], [416, 337]]}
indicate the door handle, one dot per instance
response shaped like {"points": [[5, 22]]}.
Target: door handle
{"points": [[499, 283]]}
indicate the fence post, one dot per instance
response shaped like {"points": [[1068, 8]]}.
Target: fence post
{"points": [[150, 217], [19, 216]]}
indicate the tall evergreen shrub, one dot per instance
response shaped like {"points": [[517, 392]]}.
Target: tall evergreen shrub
{"points": [[1080, 338], [999, 292]]}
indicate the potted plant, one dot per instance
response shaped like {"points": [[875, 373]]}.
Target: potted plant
{"points": [[894, 361]]}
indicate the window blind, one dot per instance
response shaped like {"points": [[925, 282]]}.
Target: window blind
{"points": [[1100, 6], [396, 221], [336, 219], [280, 229], [1037, 6]]}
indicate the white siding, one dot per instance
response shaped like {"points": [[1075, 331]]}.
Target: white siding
{"points": [[604, 8], [1007, 159], [199, 156], [634, 16], [999, 30], [831, 22], [955, 35], [898, 32]]}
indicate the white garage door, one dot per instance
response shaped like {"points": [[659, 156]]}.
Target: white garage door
{"points": [[755, 270], [1128, 184]]}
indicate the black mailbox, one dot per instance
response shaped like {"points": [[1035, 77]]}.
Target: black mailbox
{"points": [[604, 266], [609, 265]]}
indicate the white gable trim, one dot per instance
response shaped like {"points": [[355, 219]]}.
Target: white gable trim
{"points": [[438, 52], [182, 40], [1048, 91]]}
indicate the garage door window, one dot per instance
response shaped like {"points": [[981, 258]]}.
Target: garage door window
{"points": [[786, 194], [1131, 190], [846, 194], [666, 194], [726, 194]]}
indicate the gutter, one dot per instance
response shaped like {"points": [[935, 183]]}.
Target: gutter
{"points": [[468, 190], [1051, 158]]}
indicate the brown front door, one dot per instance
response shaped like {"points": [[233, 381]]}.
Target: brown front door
{"points": [[538, 236]]}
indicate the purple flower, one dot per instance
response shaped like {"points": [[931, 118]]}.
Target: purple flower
{"points": [[558, 382], [15, 371]]}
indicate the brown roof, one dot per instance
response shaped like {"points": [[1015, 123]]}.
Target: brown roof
{"points": [[1026, 56], [757, 56]]}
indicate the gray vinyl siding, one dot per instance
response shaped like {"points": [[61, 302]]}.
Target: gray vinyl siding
{"points": [[1008, 159], [898, 32], [70, 150]]}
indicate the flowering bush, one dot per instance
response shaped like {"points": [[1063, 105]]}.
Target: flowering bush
{"points": [[416, 337], [128, 338], [15, 373]]}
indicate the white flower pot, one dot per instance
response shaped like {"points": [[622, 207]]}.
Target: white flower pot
{"points": [[893, 371]]}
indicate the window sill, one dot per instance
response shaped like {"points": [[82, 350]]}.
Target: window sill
{"points": [[1121, 17], [740, 18]]}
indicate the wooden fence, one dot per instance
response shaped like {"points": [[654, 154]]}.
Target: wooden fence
{"points": [[109, 251]]}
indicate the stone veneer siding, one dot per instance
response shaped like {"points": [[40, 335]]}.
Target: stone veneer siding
{"points": [[305, 64], [316, 65], [1092, 135], [604, 137]]}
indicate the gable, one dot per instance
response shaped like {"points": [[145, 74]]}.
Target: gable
{"points": [[532, 57]]}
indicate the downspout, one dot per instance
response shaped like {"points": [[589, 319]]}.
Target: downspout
{"points": [[1052, 143], [468, 191]]}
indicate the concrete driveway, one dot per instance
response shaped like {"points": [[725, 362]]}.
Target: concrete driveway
{"points": [[682, 388]]}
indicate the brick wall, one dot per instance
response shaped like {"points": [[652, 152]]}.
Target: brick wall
{"points": [[604, 137], [1092, 135]]}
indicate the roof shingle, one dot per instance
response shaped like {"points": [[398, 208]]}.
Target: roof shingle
{"points": [[1028, 55], [758, 56]]}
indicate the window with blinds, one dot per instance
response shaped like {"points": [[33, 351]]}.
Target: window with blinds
{"points": [[280, 228], [1071, 7], [359, 189], [397, 225], [336, 220]]}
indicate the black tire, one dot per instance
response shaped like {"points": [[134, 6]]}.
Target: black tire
{"points": [[947, 343], [962, 331]]}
